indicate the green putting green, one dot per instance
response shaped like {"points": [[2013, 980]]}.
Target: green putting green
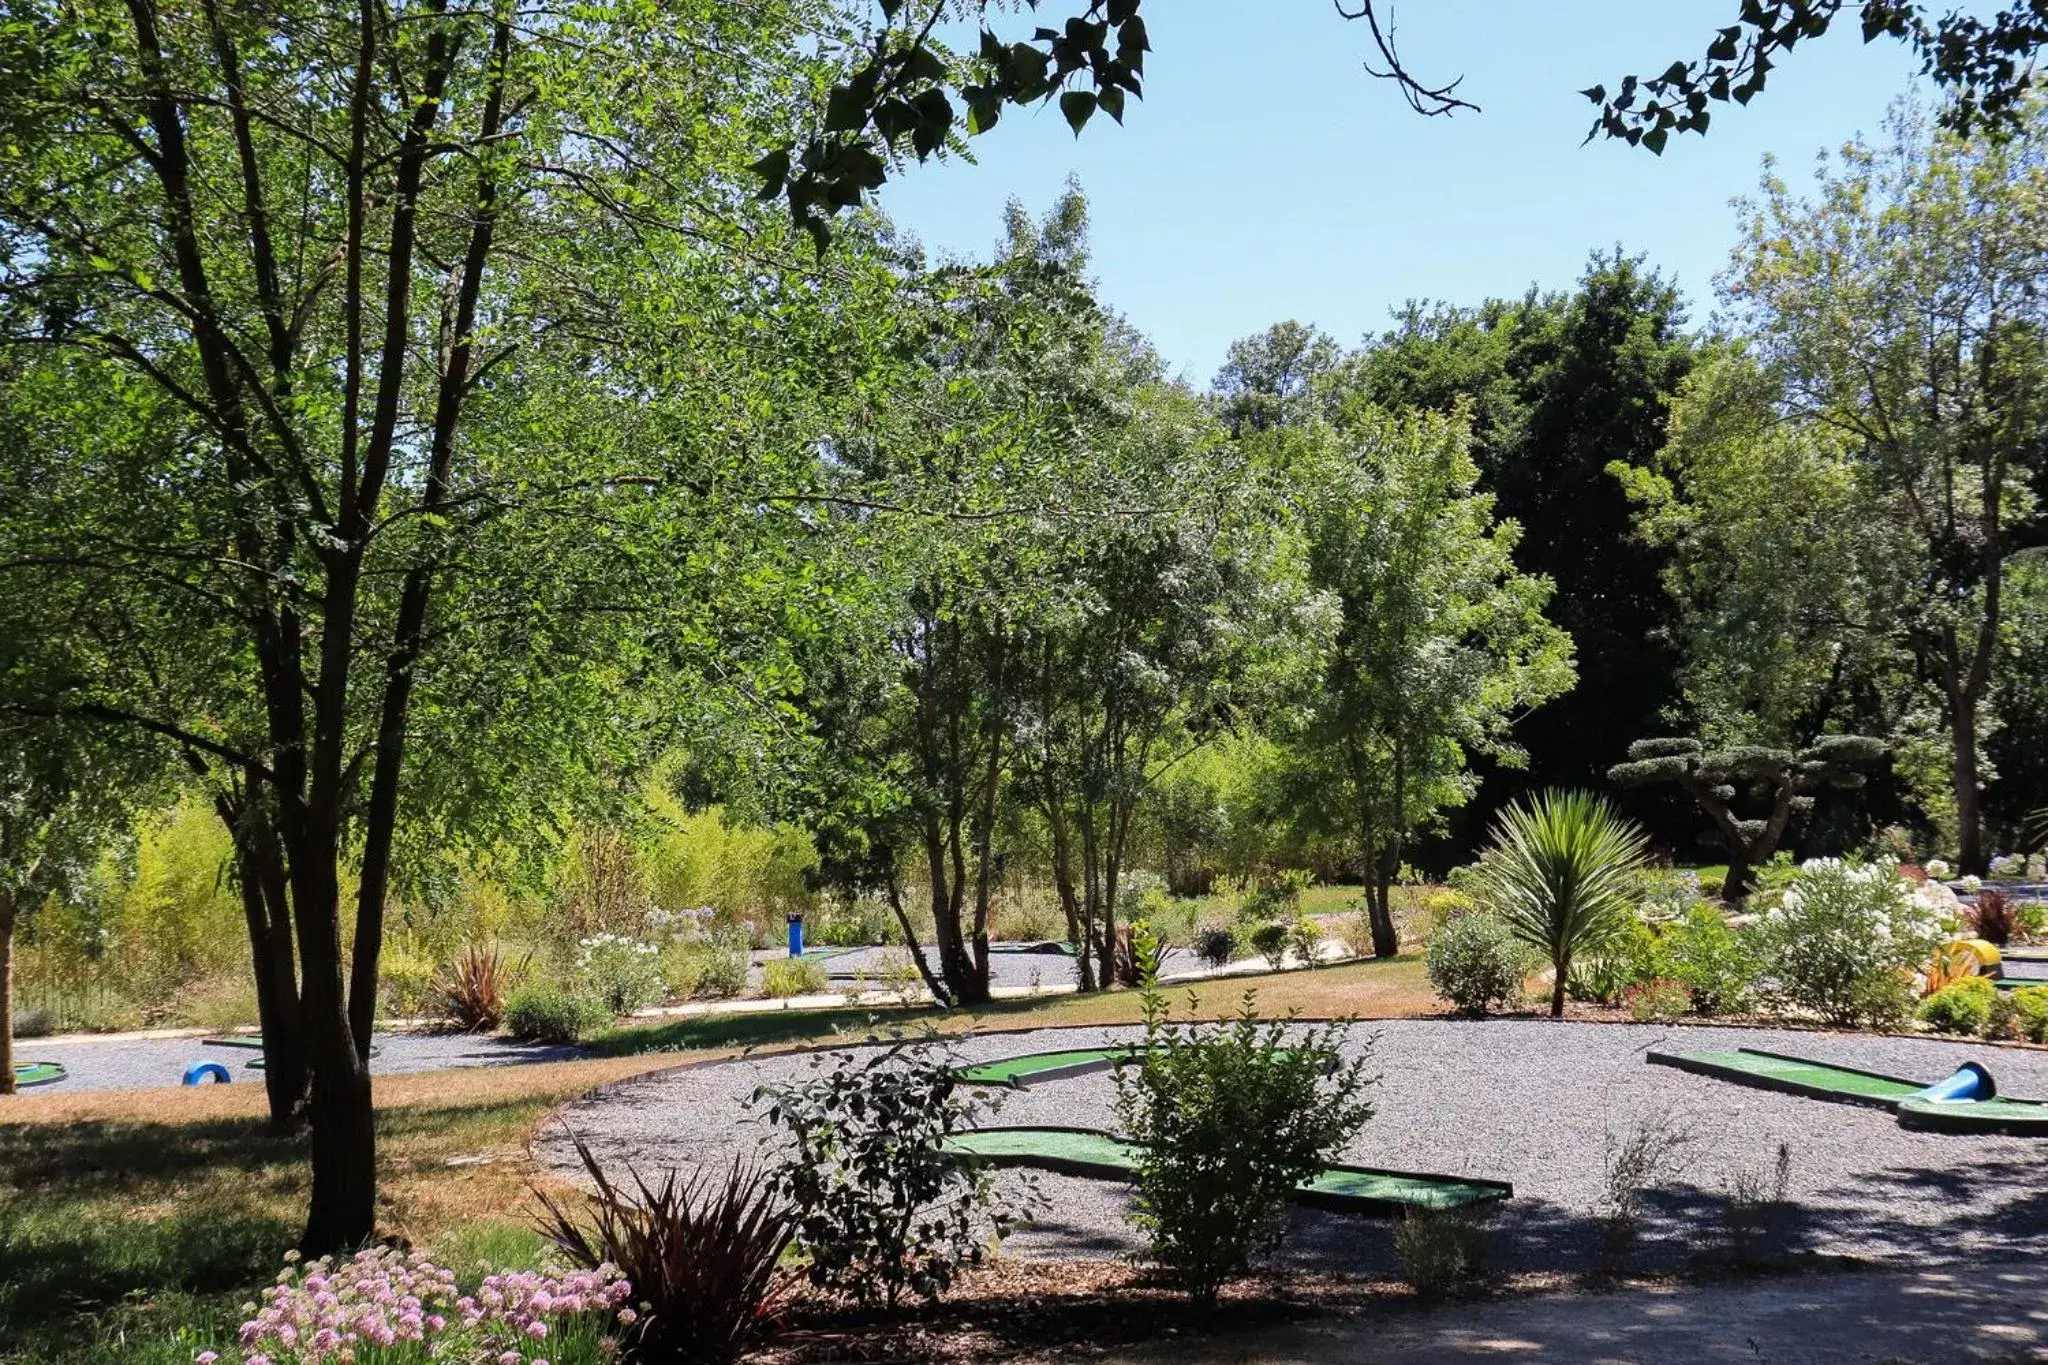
{"points": [[37, 1073], [250, 1041], [1794, 1075], [1846, 1085], [1350, 1189], [1036, 1067], [1047, 949]]}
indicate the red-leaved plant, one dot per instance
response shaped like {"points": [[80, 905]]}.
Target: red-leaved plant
{"points": [[1993, 917], [703, 1257]]}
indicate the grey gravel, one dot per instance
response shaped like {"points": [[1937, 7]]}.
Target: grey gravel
{"points": [[135, 1063], [1533, 1102], [1006, 969]]}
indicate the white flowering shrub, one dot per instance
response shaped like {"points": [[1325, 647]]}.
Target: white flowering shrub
{"points": [[623, 974], [1843, 941], [2009, 865], [1939, 869]]}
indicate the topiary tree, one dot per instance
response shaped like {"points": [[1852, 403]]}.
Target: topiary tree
{"points": [[1784, 779]]}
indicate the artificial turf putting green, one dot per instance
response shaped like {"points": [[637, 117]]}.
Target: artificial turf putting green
{"points": [[1846, 1085], [1350, 1189], [1794, 1075], [37, 1073], [1036, 1067]]}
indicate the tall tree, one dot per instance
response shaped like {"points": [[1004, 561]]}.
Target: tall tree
{"points": [[1442, 644], [386, 288], [1560, 387], [1905, 307]]}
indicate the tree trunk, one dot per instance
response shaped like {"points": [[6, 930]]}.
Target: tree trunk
{"points": [[1969, 800], [1557, 989], [342, 1211], [1741, 876], [6, 993], [277, 988], [1378, 907]]}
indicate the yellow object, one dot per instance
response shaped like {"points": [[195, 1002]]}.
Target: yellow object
{"points": [[1983, 949]]}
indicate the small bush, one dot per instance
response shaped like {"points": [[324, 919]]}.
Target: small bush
{"points": [[1439, 1250], [471, 995], [1438, 909], [784, 977], [854, 923], [1656, 999], [1843, 939], [1475, 962], [880, 1206], [1710, 958], [624, 975], [1992, 916], [34, 1022], [1753, 1202], [545, 1013], [1305, 941], [2031, 1004], [1652, 1151], [1279, 898], [703, 1258], [1963, 1008], [1355, 929], [1134, 941], [722, 972], [407, 974], [2004, 1022], [1216, 947], [1229, 1118], [1269, 941], [1712, 884]]}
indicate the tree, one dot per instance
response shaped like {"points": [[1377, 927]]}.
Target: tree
{"points": [[1902, 310], [1560, 872], [407, 312], [914, 96], [1560, 386], [1714, 779], [1274, 378], [1441, 644]]}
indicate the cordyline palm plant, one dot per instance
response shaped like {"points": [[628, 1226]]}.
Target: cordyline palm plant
{"points": [[1559, 873], [703, 1257]]}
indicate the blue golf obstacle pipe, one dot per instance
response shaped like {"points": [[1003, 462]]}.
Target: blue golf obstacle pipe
{"points": [[796, 935], [1971, 1082], [198, 1072]]}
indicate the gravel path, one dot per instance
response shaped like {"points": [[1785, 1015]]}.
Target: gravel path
{"points": [[126, 1064], [1528, 1101], [1011, 969]]}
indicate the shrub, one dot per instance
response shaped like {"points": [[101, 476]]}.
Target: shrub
{"points": [[1279, 898], [1134, 940], [859, 921], [472, 993], [1657, 998], [1712, 884], [784, 977], [1474, 962], [703, 1257], [1754, 1200], [880, 1206], [1269, 941], [1229, 1118], [2004, 1020], [1992, 916], [2031, 1003], [407, 974], [1650, 1152], [1664, 893], [1439, 1249], [1216, 947], [545, 1013], [624, 975], [1355, 929], [1559, 874], [1439, 907], [1963, 1008], [1305, 941], [717, 970], [34, 1022], [1711, 959], [1843, 939]]}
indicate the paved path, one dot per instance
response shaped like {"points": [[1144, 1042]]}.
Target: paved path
{"points": [[1995, 1312]]}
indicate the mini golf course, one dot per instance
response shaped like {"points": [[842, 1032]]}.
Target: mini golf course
{"points": [[1036, 1068], [1092, 1153], [1965, 1102]]}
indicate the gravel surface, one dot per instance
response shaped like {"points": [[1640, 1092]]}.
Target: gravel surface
{"points": [[1528, 1101], [126, 1064], [1012, 969]]}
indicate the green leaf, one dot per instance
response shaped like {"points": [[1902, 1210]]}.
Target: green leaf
{"points": [[1078, 106]]}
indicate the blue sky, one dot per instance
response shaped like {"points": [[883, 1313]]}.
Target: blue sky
{"points": [[1266, 176]]}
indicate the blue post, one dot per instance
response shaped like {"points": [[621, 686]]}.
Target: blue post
{"points": [[796, 935], [199, 1072]]}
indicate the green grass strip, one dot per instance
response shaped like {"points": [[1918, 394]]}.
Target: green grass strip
{"points": [[1358, 1189], [1020, 1070], [1793, 1074]]}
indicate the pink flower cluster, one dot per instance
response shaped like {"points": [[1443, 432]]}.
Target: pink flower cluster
{"points": [[388, 1301]]}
